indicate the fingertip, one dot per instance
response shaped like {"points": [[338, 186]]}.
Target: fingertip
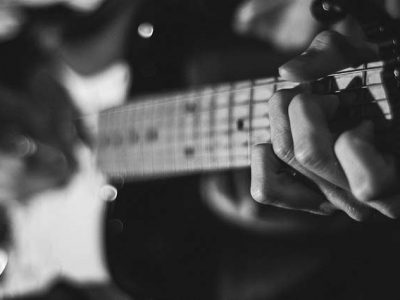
{"points": [[294, 70], [361, 136], [360, 214]]}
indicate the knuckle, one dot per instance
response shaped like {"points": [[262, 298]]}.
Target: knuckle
{"points": [[390, 212], [326, 39], [280, 98], [357, 212], [310, 156], [299, 100], [346, 140], [367, 190], [348, 136], [342, 141], [299, 103], [261, 195], [283, 152]]}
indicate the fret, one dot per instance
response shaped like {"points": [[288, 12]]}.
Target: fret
{"points": [[377, 91], [373, 77], [241, 92], [262, 92], [259, 113], [261, 122], [342, 81], [260, 136], [147, 149], [220, 117], [156, 137], [222, 96], [102, 144], [122, 132], [197, 133], [189, 128], [375, 65], [253, 99], [239, 112], [352, 69], [211, 139], [221, 140], [240, 148], [111, 122], [205, 127], [109, 140], [174, 135], [181, 161], [241, 132], [384, 107], [279, 85], [275, 86], [364, 77], [233, 97], [260, 109], [135, 142]]}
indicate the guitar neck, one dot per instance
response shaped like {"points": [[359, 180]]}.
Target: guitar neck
{"points": [[207, 129]]}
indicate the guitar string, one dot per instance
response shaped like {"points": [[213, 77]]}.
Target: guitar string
{"points": [[182, 97]]}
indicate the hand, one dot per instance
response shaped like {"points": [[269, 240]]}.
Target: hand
{"points": [[37, 138], [351, 174]]}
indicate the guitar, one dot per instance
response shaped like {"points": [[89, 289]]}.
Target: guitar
{"points": [[213, 128]]}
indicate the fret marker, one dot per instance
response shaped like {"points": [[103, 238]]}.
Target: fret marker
{"points": [[152, 135], [133, 136], [240, 124], [190, 107], [189, 151]]}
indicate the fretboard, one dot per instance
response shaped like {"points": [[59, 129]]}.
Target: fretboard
{"points": [[212, 128]]}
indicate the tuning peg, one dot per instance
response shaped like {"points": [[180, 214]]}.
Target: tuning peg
{"points": [[327, 11]]}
